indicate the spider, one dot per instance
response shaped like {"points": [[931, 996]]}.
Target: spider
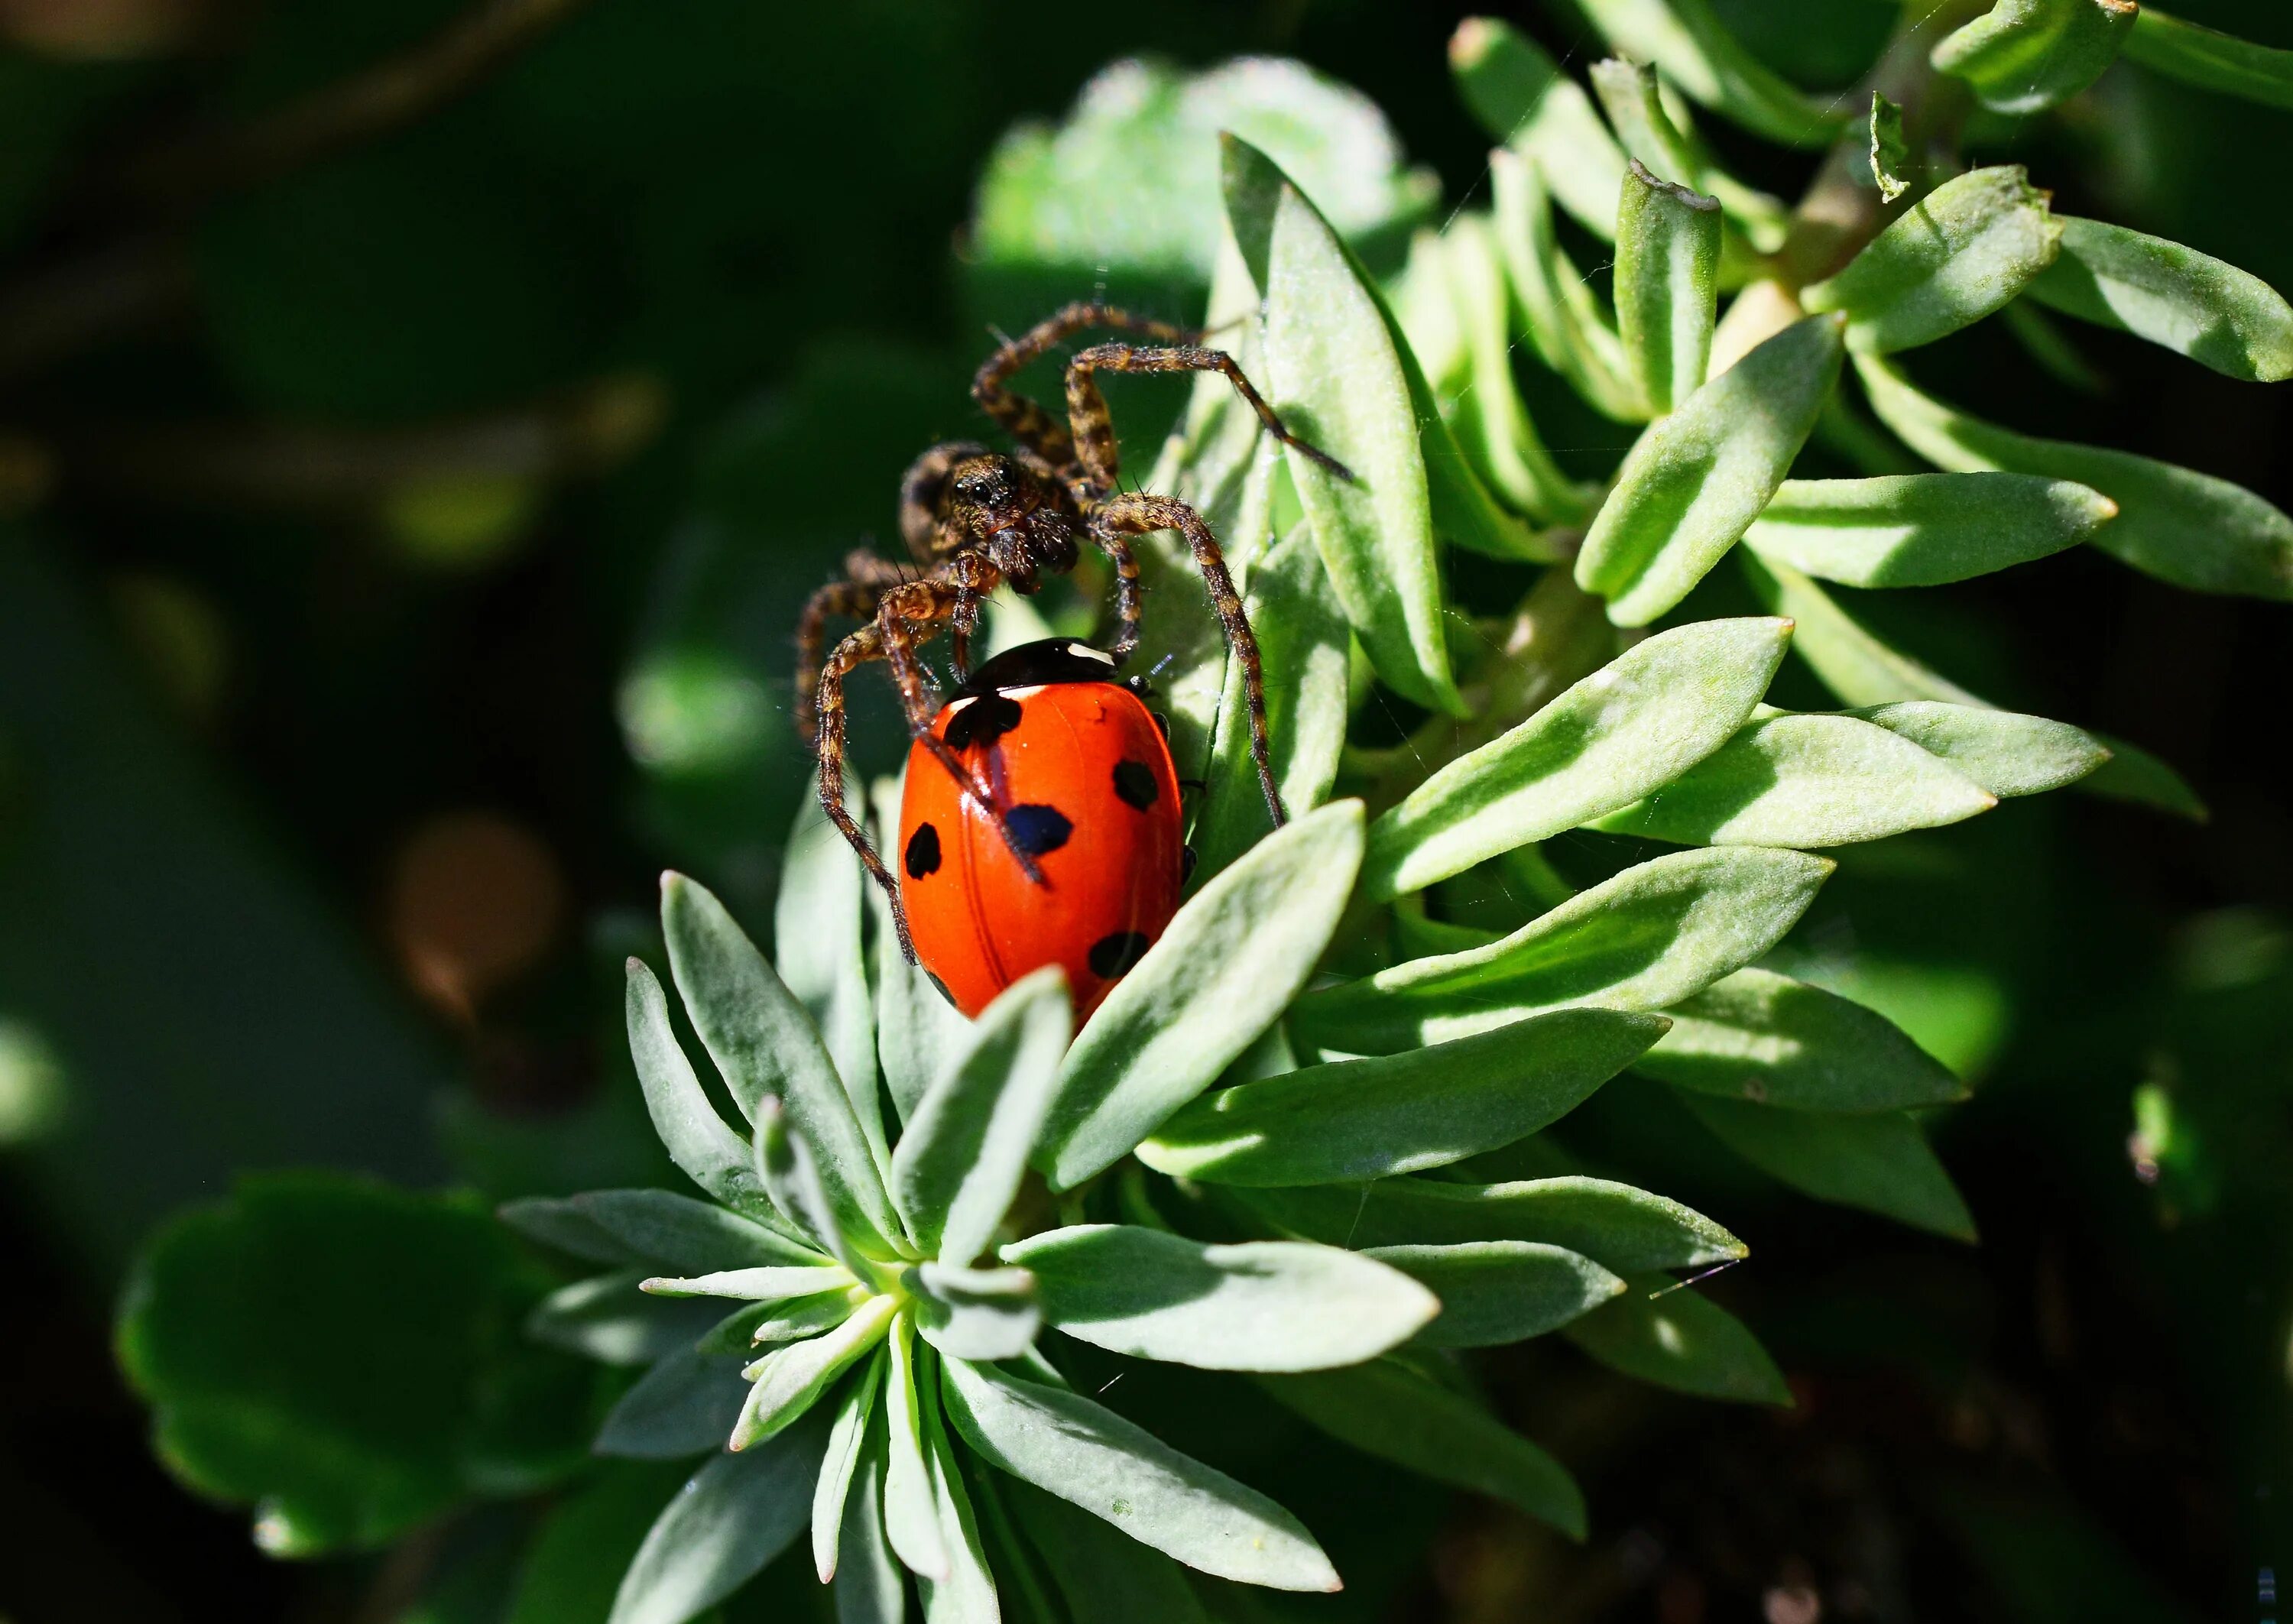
{"points": [[974, 519]]}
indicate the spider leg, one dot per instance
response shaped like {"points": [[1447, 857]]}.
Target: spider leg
{"points": [[961, 625], [1027, 423], [860, 647], [920, 489], [1135, 514], [849, 599], [1116, 546], [1093, 430]]}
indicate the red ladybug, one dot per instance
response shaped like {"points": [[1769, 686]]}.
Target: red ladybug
{"points": [[1079, 770]]}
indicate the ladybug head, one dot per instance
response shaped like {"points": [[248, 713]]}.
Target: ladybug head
{"points": [[1016, 515]]}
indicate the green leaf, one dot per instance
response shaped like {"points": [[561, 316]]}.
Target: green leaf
{"points": [[1560, 312], [1878, 1162], [1105, 1578], [912, 1520], [764, 1045], [1304, 645], [1950, 258], [786, 1383], [1762, 1036], [1647, 939], [736, 1514], [686, 1405], [966, 1592], [1924, 530], [1628, 729], [1388, 1410], [1695, 480], [975, 1314], [769, 1285], [791, 1320], [871, 1586], [1262, 1305], [2211, 60], [1334, 372], [1182, 1015], [346, 1357], [2190, 303], [840, 1460], [1852, 662], [1668, 1335], [1623, 1229], [680, 1233], [1687, 40], [608, 1319], [816, 947], [1521, 97], [585, 1541], [1634, 100], [1805, 782], [555, 1222], [2135, 775], [1498, 1292], [709, 1153], [2006, 753], [785, 1167], [2024, 56], [2174, 523], [1401, 1114], [916, 1027], [968, 1139], [1890, 154], [1094, 1458], [1667, 286]]}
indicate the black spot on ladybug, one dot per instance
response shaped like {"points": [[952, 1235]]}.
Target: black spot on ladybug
{"points": [[923, 852], [1134, 783], [983, 722], [1038, 830], [1111, 956]]}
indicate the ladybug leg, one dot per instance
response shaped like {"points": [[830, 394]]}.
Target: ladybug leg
{"points": [[920, 490], [1093, 433], [1134, 514], [1027, 423]]}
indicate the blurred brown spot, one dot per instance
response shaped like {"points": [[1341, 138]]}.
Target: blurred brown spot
{"points": [[474, 900], [99, 29], [1679, 1598]]}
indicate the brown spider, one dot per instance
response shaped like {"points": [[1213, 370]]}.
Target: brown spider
{"points": [[973, 519]]}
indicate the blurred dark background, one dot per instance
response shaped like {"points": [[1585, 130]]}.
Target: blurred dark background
{"points": [[406, 500]]}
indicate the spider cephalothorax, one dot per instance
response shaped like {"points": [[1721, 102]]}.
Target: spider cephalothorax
{"points": [[974, 519]]}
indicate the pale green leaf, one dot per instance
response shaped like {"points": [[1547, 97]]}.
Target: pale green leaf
{"points": [[2135, 775], [1521, 97], [816, 947], [1924, 529], [1334, 372], [697, 1139], [1422, 1109], [1560, 311], [1667, 286], [764, 1045], [1950, 258], [790, 1320], [1645, 939], [975, 1314], [1677, 1339], [1687, 40], [1261, 1306], [1890, 155], [785, 1166], [785, 1383], [2023, 56], [1806, 782], [1181, 1015], [847, 1440], [871, 1587], [1094, 1458], [735, 1514], [1758, 1036], [767, 1285], [2210, 59], [2190, 303], [2174, 523], [1629, 728], [1388, 1410], [1695, 480], [682, 1233], [911, 1521], [1635, 100], [1304, 645], [1621, 1228], [968, 1139], [608, 1318], [1105, 1578], [966, 1592], [916, 1027], [2006, 753], [1878, 1162], [1853, 662], [685, 1405], [1498, 1292]]}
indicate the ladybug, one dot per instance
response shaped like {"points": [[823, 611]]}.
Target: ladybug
{"points": [[1080, 773]]}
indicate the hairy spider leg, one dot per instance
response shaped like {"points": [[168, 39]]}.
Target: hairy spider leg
{"points": [[1092, 429], [853, 598], [1136, 514], [1127, 604], [920, 490], [1024, 420]]}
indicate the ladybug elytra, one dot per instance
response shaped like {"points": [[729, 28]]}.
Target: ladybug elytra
{"points": [[1078, 768]]}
